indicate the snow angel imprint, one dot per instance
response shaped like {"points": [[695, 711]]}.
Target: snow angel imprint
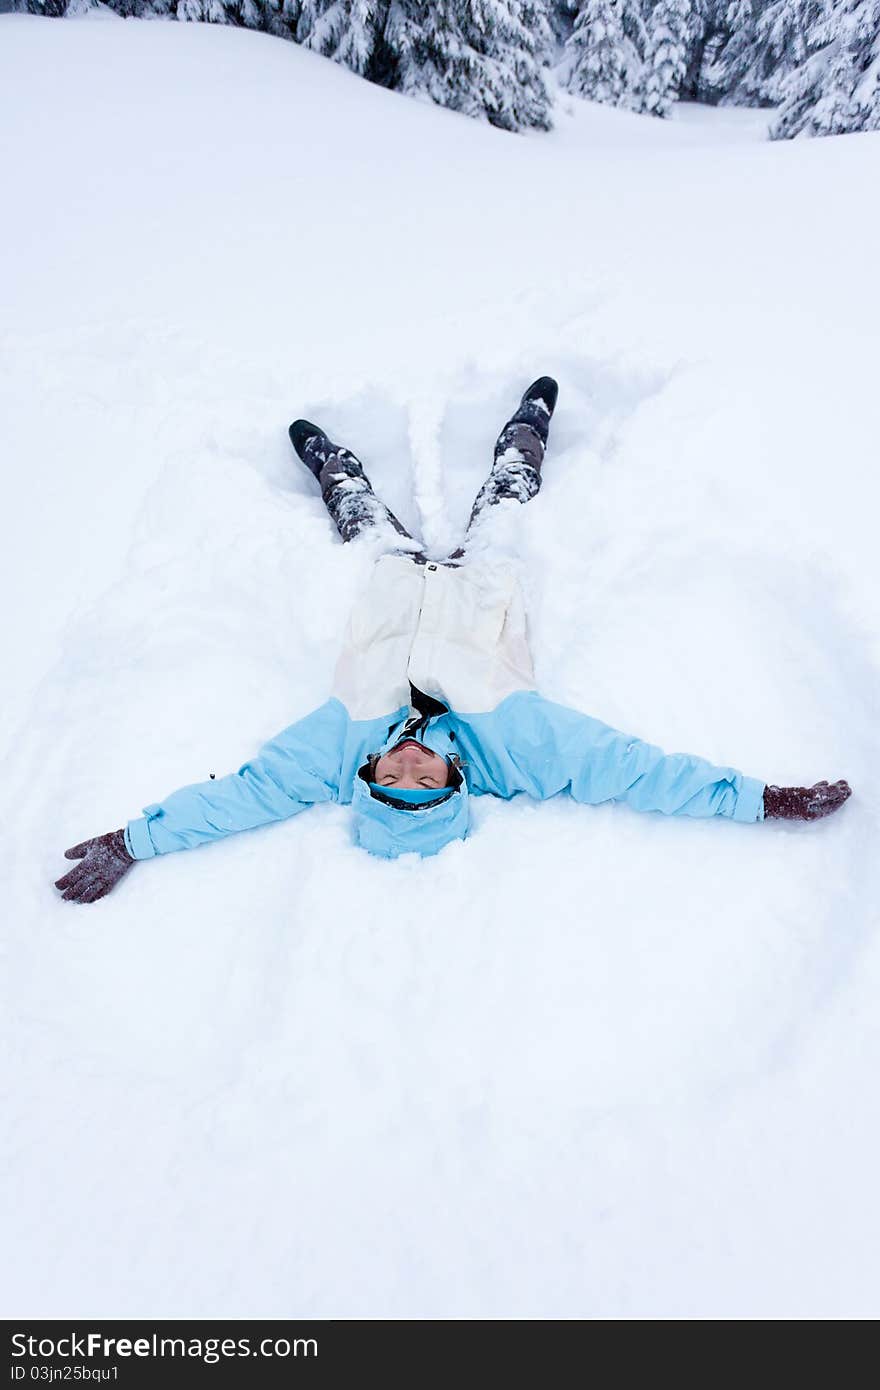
{"points": [[434, 702]]}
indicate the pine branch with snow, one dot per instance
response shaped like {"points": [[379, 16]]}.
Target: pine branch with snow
{"points": [[727, 71], [836, 88], [344, 30], [670, 32]]}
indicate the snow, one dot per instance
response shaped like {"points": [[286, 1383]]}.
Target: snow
{"points": [[587, 1064]]}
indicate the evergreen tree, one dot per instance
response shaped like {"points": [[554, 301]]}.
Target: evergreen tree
{"points": [[750, 47], [727, 70], [817, 60], [562, 15], [204, 11], [593, 62], [867, 88], [705, 38], [281, 17], [836, 88], [782, 43], [481, 57], [344, 30], [598, 67], [604, 56], [670, 36], [135, 9]]}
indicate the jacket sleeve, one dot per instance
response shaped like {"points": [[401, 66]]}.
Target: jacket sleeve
{"points": [[548, 748], [298, 768]]}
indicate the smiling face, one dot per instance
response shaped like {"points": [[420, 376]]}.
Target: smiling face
{"points": [[410, 767]]}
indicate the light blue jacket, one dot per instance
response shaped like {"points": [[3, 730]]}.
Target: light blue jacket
{"points": [[525, 745], [459, 634]]}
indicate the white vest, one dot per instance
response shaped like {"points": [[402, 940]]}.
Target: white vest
{"points": [[457, 633]]}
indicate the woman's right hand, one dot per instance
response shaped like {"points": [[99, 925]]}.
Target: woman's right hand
{"points": [[103, 862]]}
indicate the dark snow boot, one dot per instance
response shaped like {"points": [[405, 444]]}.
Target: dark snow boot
{"points": [[311, 444], [519, 452], [537, 405]]}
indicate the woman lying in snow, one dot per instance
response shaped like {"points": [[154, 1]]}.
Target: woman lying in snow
{"points": [[434, 701]]}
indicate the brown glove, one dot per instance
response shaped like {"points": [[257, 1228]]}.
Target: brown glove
{"points": [[805, 803], [104, 862]]}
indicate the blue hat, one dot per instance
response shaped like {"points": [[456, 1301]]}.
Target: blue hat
{"points": [[387, 830], [390, 821]]}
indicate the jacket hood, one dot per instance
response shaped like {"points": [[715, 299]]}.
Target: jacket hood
{"points": [[389, 831]]}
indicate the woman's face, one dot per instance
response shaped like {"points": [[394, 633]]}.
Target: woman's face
{"points": [[411, 766]]}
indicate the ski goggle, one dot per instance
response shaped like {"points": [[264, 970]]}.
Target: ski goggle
{"points": [[412, 795], [410, 798]]}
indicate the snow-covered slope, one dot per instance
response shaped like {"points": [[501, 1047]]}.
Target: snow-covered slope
{"points": [[587, 1063]]}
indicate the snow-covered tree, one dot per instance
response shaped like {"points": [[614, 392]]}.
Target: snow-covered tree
{"points": [[345, 30], [281, 17], [729, 54], [204, 11], [748, 48], [603, 58], [817, 60], [782, 42], [836, 88], [480, 57], [562, 15], [670, 35]]}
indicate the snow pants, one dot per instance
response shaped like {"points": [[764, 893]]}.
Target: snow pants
{"points": [[515, 474]]}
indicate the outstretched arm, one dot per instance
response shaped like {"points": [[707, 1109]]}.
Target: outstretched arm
{"points": [[548, 748], [298, 768], [597, 763]]}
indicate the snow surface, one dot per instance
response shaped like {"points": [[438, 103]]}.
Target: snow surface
{"points": [[588, 1064]]}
